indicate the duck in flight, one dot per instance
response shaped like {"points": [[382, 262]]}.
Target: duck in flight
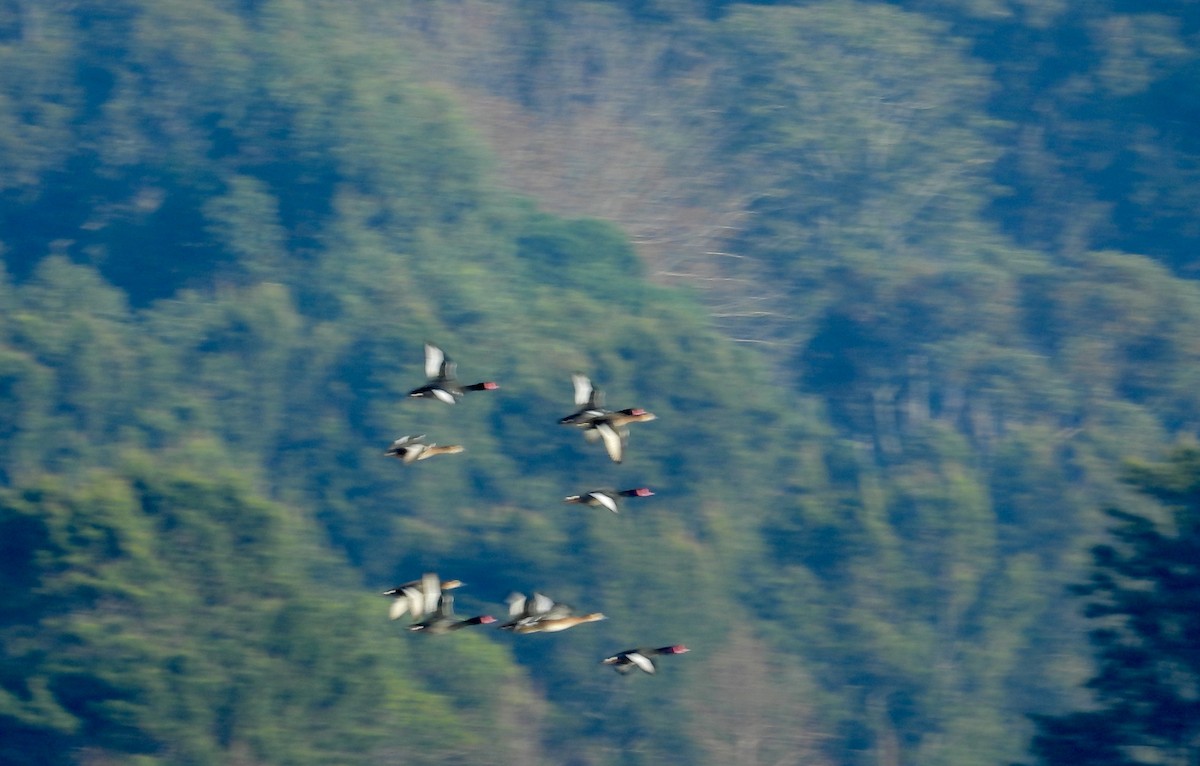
{"points": [[641, 659], [523, 609], [409, 449], [441, 383], [613, 429], [419, 597], [541, 614], [443, 620], [598, 423], [607, 498], [588, 400]]}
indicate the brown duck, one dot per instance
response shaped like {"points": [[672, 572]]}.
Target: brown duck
{"points": [[613, 429], [410, 449], [541, 614]]}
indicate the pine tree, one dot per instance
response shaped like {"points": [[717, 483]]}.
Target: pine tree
{"points": [[1144, 594]]}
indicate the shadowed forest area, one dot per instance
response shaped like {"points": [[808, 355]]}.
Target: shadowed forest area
{"points": [[910, 286]]}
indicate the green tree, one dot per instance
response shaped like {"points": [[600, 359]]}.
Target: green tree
{"points": [[1144, 594]]}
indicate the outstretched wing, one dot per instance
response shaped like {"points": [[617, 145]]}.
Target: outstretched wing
{"points": [[433, 360], [431, 592], [540, 606], [516, 604], [614, 441], [642, 661], [583, 389], [604, 499], [400, 604]]}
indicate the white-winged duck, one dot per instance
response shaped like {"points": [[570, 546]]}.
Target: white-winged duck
{"points": [[555, 624], [642, 659], [588, 400], [613, 429], [442, 383], [418, 597], [606, 498], [522, 609], [541, 614], [409, 449], [444, 621]]}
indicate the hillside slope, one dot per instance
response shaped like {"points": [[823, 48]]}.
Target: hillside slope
{"points": [[229, 232]]}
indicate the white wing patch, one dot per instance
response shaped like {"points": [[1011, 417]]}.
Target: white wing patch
{"points": [[583, 389], [431, 590], [433, 360], [642, 661], [541, 604], [516, 604], [605, 499], [614, 444]]}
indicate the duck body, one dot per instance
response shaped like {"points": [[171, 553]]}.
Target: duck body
{"points": [[419, 597], [442, 383], [598, 423], [443, 621], [606, 498], [410, 449], [589, 401], [640, 659], [541, 614], [523, 610], [613, 429], [555, 624]]}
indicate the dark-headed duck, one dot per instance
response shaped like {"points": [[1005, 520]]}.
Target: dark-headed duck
{"points": [[589, 401], [444, 621], [624, 662], [442, 383], [606, 498], [418, 597]]}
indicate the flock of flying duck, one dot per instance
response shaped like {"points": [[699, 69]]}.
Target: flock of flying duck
{"points": [[428, 601]]}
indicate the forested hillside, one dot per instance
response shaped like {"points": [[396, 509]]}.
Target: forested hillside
{"points": [[904, 283]]}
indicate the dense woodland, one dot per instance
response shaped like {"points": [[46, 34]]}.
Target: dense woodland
{"points": [[908, 285]]}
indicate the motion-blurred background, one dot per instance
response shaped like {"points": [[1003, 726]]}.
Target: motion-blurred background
{"points": [[905, 283]]}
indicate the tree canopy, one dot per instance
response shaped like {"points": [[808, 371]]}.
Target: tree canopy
{"points": [[904, 282], [1143, 595]]}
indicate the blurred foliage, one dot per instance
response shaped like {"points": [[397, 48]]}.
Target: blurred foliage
{"points": [[229, 228], [1143, 595], [164, 609]]}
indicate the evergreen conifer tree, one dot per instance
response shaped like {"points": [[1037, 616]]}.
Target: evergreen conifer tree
{"points": [[1144, 594]]}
